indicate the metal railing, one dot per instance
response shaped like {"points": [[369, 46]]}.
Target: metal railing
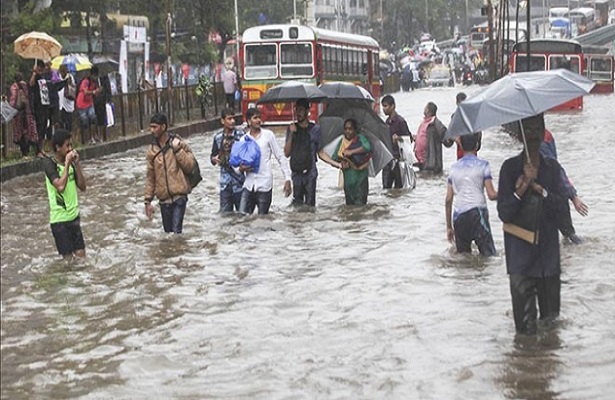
{"points": [[600, 36], [132, 112]]}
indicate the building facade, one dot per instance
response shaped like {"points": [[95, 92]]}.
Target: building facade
{"points": [[350, 16]]}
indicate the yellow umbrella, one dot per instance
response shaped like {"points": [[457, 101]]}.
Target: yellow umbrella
{"points": [[74, 62], [37, 45]]}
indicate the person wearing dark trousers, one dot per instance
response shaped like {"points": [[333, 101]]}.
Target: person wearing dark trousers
{"points": [[231, 181], [167, 159], [303, 144], [391, 175], [66, 99], [531, 201], [41, 106], [100, 107]]}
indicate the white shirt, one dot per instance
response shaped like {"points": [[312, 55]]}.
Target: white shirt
{"points": [[263, 180], [467, 177], [66, 104]]}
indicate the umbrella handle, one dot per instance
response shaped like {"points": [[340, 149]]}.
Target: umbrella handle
{"points": [[527, 153]]}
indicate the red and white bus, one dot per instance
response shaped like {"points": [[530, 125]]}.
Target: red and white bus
{"points": [[272, 54], [599, 67], [547, 54]]}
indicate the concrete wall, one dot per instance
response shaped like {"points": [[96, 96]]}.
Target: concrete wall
{"points": [[130, 142]]}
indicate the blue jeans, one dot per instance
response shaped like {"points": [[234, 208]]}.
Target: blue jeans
{"points": [[251, 199], [229, 199], [173, 215], [87, 116]]}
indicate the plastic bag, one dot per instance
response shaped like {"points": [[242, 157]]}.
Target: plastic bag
{"points": [[246, 152], [237, 95], [109, 109]]}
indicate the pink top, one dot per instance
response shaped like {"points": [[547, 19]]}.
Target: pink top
{"points": [[420, 144], [86, 100]]}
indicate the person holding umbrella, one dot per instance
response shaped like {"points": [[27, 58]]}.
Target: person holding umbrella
{"points": [[353, 153], [531, 202], [41, 105], [303, 143]]}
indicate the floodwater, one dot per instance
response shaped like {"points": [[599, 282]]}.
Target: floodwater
{"points": [[343, 303]]}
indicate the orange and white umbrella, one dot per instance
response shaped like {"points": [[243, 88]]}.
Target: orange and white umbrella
{"points": [[37, 45]]}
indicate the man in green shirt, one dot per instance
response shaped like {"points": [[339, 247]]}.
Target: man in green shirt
{"points": [[63, 175]]}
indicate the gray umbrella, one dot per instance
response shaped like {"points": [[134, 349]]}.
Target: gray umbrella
{"points": [[368, 123], [517, 96], [292, 91], [346, 90], [105, 64]]}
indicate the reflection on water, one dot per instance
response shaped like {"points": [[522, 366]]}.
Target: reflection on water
{"points": [[337, 302], [532, 366]]}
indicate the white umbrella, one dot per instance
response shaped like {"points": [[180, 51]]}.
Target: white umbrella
{"points": [[517, 96]]}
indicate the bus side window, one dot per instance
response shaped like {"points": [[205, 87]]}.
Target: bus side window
{"points": [[364, 68]]}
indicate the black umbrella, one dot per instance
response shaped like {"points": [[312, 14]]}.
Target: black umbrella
{"points": [[292, 91], [368, 123], [346, 90], [105, 64]]}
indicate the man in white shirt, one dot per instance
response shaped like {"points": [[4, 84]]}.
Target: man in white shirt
{"points": [[229, 81], [258, 186], [66, 98]]}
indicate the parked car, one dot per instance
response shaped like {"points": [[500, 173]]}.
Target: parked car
{"points": [[440, 76]]}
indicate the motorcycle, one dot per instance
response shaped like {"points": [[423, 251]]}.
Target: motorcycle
{"points": [[467, 77], [481, 76]]}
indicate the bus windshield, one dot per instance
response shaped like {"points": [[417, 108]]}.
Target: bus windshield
{"points": [[571, 63], [261, 61], [296, 60], [537, 63], [601, 69]]}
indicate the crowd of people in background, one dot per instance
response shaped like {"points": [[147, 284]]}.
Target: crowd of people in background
{"points": [[47, 101], [414, 64]]}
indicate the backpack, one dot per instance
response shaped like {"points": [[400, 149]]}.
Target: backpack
{"points": [[194, 176], [301, 156]]}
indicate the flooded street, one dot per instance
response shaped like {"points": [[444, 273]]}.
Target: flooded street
{"points": [[345, 303]]}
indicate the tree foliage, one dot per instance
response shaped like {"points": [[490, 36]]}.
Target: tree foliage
{"points": [[192, 22]]}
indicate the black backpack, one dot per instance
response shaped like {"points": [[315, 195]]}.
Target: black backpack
{"points": [[301, 151]]}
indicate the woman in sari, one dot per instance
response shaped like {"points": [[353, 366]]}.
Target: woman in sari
{"points": [[353, 153], [24, 124]]}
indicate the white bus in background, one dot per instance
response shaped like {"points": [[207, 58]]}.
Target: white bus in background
{"points": [[558, 12], [584, 18]]}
